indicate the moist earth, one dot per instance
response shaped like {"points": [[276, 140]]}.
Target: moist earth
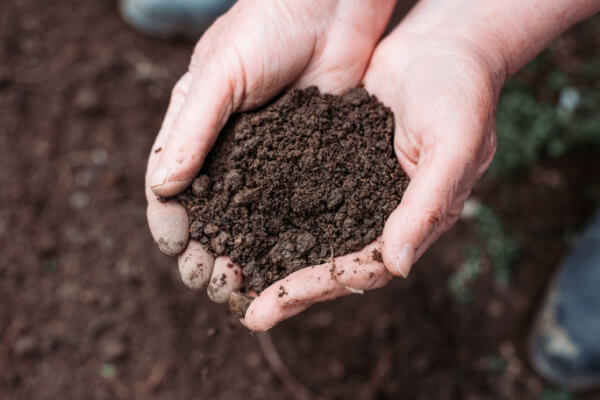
{"points": [[90, 308], [309, 177]]}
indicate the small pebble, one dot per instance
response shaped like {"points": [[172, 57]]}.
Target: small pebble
{"points": [[200, 185], [112, 349], [211, 229], [26, 346]]}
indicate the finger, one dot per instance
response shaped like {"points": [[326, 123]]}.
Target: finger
{"points": [[442, 179], [339, 67], [226, 277], [206, 107], [195, 265], [226, 61], [267, 315], [168, 221], [205, 104], [449, 222], [178, 96], [233, 70], [352, 273]]}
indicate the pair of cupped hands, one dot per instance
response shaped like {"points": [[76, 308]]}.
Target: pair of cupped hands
{"points": [[441, 86]]}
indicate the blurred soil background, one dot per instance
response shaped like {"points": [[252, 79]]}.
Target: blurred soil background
{"points": [[89, 308]]}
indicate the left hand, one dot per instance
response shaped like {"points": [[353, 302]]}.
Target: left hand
{"points": [[250, 54], [443, 91]]}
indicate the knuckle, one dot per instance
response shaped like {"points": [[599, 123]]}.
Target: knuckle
{"points": [[198, 54], [453, 216], [405, 150], [398, 143], [432, 219], [193, 275], [490, 149], [193, 279], [182, 86]]}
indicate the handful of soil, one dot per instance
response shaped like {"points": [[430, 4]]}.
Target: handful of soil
{"points": [[291, 185]]}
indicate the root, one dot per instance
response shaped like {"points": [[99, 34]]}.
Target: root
{"points": [[376, 380], [280, 370]]}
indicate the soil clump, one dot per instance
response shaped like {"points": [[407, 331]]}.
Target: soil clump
{"points": [[309, 177]]}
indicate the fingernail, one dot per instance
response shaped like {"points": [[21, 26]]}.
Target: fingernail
{"points": [[405, 260], [159, 177], [239, 303]]}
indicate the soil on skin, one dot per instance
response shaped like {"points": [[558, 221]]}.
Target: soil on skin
{"points": [[307, 178], [90, 308]]}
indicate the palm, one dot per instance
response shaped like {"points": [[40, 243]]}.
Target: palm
{"points": [[247, 57], [443, 106], [432, 92]]}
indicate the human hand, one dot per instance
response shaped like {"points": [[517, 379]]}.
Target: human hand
{"points": [[443, 91], [441, 72], [249, 55]]}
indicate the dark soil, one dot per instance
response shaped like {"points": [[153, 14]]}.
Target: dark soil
{"points": [[302, 180], [90, 309]]}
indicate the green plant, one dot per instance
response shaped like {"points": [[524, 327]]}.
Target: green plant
{"points": [[495, 243], [108, 371], [555, 394], [496, 364], [531, 126], [543, 112], [49, 265], [469, 270], [502, 248]]}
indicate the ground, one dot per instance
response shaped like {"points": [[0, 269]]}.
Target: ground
{"points": [[90, 309]]}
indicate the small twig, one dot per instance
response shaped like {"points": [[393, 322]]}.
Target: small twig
{"points": [[4, 395], [380, 371], [154, 379], [280, 370]]}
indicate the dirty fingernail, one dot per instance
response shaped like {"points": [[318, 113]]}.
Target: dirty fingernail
{"points": [[159, 177], [405, 260], [239, 303]]}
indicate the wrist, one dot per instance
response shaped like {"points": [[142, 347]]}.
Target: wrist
{"points": [[506, 33]]}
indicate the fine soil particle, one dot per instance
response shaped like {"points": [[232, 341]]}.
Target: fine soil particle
{"points": [[376, 255], [72, 279], [239, 303], [309, 177]]}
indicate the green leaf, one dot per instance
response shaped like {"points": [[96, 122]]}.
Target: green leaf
{"points": [[108, 371]]}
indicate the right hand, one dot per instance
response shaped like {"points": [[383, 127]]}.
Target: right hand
{"points": [[443, 92], [248, 56]]}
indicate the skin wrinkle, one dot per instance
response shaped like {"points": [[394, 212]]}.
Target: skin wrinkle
{"points": [[188, 162], [338, 73], [402, 133], [450, 220], [261, 86], [237, 87], [464, 40], [269, 87], [316, 52], [175, 105], [451, 217]]}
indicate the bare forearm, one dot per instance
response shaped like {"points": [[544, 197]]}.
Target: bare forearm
{"points": [[510, 32]]}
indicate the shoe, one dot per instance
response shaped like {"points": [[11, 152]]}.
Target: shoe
{"points": [[170, 18], [565, 341]]}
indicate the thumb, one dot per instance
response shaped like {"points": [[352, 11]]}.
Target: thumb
{"points": [[431, 204], [236, 65], [207, 105]]}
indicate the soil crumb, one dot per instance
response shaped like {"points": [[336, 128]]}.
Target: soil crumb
{"points": [[287, 184], [376, 255]]}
